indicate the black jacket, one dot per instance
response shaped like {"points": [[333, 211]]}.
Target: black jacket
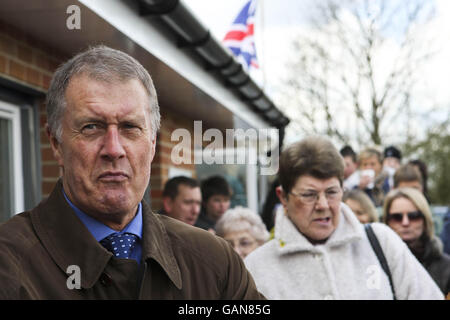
{"points": [[437, 263]]}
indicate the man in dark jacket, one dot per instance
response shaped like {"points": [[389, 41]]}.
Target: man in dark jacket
{"points": [[94, 237]]}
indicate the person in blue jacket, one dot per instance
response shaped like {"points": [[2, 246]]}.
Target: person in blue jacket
{"points": [[445, 234]]}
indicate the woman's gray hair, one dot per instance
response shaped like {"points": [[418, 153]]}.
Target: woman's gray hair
{"points": [[103, 64], [242, 219]]}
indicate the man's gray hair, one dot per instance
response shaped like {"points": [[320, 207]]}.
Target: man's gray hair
{"points": [[103, 64]]}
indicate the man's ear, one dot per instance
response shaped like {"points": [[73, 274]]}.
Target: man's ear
{"points": [[281, 195], [153, 149], [56, 146], [167, 204]]}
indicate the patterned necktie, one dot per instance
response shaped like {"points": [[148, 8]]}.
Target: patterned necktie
{"points": [[121, 245]]}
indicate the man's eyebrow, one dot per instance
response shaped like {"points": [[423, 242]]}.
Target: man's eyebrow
{"points": [[99, 119], [84, 119], [133, 119], [311, 189]]}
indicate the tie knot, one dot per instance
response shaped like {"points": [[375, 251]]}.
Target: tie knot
{"points": [[121, 245]]}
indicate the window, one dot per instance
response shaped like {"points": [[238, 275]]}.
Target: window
{"points": [[11, 173]]}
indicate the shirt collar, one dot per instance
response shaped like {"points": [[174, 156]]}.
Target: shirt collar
{"points": [[100, 230]]}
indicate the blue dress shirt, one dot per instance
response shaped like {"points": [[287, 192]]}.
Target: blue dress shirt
{"points": [[101, 231]]}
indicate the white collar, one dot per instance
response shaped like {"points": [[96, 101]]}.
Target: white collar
{"points": [[290, 240]]}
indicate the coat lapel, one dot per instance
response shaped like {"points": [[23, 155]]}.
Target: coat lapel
{"points": [[67, 240], [157, 245]]}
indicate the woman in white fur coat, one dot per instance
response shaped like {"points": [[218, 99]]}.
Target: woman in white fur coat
{"points": [[320, 249]]}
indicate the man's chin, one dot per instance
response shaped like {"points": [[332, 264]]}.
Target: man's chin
{"points": [[117, 202]]}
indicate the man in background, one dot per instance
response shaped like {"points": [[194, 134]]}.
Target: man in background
{"points": [[392, 158], [408, 176], [182, 199], [350, 160]]}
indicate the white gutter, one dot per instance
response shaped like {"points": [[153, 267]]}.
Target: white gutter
{"points": [[138, 29]]}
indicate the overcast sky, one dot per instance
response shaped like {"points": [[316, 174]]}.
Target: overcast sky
{"points": [[275, 24], [277, 20]]}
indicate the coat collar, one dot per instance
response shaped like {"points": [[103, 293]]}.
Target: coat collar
{"points": [[66, 238], [291, 240], [433, 250], [69, 242], [157, 245]]}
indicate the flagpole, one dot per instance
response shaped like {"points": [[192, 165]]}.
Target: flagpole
{"points": [[263, 44]]}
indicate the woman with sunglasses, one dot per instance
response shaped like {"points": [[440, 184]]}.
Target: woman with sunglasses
{"points": [[320, 250], [407, 212]]}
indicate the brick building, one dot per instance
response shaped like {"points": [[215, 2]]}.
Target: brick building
{"points": [[195, 77]]}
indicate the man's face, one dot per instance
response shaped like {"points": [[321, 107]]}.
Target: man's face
{"points": [[392, 162], [216, 206], [186, 205], [371, 163], [350, 166], [106, 147]]}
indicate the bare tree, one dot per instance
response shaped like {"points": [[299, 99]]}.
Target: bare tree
{"points": [[353, 72]]}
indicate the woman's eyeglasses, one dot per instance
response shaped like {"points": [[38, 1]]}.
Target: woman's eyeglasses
{"points": [[241, 243], [311, 197], [412, 216]]}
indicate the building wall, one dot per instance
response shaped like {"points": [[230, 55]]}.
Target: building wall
{"points": [[30, 63], [163, 158]]}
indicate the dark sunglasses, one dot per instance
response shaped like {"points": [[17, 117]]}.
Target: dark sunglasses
{"points": [[412, 216]]}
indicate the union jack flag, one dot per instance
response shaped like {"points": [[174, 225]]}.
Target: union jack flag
{"points": [[240, 38]]}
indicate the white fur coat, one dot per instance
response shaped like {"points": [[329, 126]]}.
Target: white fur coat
{"points": [[345, 267]]}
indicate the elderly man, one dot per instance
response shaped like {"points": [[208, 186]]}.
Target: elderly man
{"points": [[94, 237], [182, 199]]}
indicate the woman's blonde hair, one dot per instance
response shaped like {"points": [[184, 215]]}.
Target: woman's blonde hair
{"points": [[419, 201], [364, 201], [242, 219]]}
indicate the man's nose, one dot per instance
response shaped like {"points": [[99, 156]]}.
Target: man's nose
{"points": [[112, 146]]}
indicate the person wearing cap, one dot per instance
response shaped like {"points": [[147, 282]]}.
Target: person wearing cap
{"points": [[392, 158]]}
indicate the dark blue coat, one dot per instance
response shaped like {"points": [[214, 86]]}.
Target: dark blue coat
{"points": [[445, 235]]}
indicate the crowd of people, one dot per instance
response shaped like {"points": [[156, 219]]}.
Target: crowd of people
{"points": [[358, 190], [318, 236]]}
